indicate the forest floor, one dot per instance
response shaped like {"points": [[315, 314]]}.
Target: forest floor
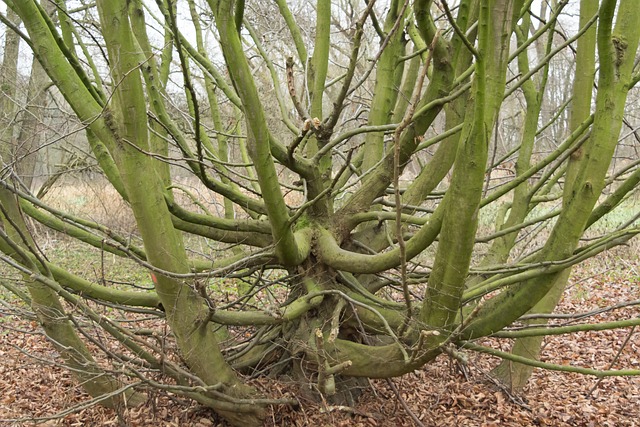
{"points": [[34, 391]]}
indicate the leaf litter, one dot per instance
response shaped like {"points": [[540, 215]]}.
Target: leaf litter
{"points": [[34, 390]]}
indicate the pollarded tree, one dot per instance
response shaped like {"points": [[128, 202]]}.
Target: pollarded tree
{"points": [[381, 274]]}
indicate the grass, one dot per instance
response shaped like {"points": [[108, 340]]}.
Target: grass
{"points": [[98, 266], [99, 202]]}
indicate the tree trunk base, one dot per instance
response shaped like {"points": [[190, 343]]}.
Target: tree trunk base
{"points": [[512, 375], [348, 389]]}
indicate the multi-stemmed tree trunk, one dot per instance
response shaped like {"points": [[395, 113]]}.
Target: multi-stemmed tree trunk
{"points": [[374, 286], [516, 375], [18, 152]]}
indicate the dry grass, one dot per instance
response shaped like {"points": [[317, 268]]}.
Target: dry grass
{"points": [[95, 200]]}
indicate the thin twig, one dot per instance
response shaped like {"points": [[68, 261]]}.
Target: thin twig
{"points": [[404, 403], [615, 359]]}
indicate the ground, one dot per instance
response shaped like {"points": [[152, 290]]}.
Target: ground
{"points": [[444, 393]]}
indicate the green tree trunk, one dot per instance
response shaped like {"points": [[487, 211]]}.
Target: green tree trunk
{"points": [[324, 305], [516, 375], [16, 241], [187, 311], [615, 77]]}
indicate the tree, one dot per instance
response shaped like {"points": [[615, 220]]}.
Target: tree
{"points": [[381, 274]]}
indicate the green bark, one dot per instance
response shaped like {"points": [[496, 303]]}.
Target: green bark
{"points": [[520, 205], [513, 374], [287, 248], [16, 241], [157, 139], [319, 62], [433, 172], [72, 86], [385, 92], [334, 264], [330, 252], [456, 241], [428, 108], [440, 164], [294, 29], [616, 53]]}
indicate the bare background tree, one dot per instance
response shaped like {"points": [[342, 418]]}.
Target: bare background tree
{"points": [[378, 182]]}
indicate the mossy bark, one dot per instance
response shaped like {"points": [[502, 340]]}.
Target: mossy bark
{"points": [[16, 241], [385, 92], [121, 127], [614, 81], [514, 374], [456, 242], [187, 312]]}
